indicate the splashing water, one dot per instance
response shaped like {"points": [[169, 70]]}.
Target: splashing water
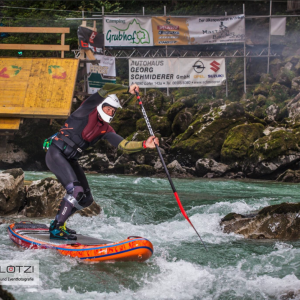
{"points": [[233, 268]]}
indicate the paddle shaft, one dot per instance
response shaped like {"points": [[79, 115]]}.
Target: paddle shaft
{"points": [[166, 169]]}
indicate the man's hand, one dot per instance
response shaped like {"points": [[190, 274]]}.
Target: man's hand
{"points": [[151, 141], [133, 89]]}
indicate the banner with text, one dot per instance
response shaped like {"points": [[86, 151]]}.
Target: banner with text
{"points": [[198, 30], [101, 73], [128, 31], [176, 72]]}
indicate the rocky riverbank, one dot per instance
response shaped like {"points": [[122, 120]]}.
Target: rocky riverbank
{"points": [[40, 198]]}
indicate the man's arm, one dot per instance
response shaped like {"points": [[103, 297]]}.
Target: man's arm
{"points": [[130, 146]]}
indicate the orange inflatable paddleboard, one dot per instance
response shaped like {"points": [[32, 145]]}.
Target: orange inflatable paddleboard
{"points": [[89, 249]]}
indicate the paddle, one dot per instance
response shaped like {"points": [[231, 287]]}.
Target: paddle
{"points": [[166, 169]]}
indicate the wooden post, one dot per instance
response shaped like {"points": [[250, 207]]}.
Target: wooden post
{"points": [[63, 36]]}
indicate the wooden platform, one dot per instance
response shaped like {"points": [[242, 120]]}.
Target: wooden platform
{"points": [[36, 87], [9, 123]]}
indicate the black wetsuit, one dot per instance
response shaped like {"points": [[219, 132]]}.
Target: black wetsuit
{"points": [[84, 128]]}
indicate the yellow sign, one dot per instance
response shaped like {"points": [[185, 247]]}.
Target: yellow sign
{"points": [[170, 31], [37, 87]]}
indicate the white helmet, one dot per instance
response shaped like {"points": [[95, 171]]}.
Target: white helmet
{"points": [[111, 100]]}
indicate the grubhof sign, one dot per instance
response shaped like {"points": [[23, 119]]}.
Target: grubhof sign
{"points": [[177, 72], [128, 31]]}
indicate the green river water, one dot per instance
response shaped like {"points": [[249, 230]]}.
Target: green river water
{"points": [[180, 268]]}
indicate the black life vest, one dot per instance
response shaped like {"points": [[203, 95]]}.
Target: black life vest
{"points": [[84, 132]]}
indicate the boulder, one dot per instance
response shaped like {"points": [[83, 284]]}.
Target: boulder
{"points": [[279, 91], [293, 108], [262, 89], [272, 112], [276, 144], [44, 196], [155, 102], [175, 167], [174, 110], [285, 75], [94, 162], [161, 125], [144, 170], [289, 176], [205, 166], [182, 120], [239, 141], [296, 85], [124, 123], [206, 135], [279, 221], [12, 192]]}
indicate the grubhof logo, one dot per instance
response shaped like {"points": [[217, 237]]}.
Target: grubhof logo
{"points": [[134, 33], [199, 66], [215, 66]]}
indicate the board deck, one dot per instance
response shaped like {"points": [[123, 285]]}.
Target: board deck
{"points": [[87, 248]]}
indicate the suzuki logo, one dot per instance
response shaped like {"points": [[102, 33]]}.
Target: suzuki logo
{"points": [[215, 66]]}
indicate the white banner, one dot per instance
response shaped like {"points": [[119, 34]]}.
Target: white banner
{"points": [[176, 72], [207, 30], [99, 74], [128, 31], [278, 26]]}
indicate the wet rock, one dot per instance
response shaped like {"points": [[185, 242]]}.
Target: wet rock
{"points": [[268, 167], [289, 176], [5, 295], [158, 165], [144, 170], [272, 222], [94, 162], [206, 165], [175, 167], [11, 191], [44, 197]]}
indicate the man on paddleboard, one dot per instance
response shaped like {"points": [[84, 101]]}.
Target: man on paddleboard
{"points": [[88, 124]]}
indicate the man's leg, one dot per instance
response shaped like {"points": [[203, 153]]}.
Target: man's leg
{"points": [[64, 172]]}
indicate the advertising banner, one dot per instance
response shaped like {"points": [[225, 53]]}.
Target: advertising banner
{"points": [[99, 74], [177, 72], [170, 31], [89, 39], [128, 32], [198, 30], [278, 26]]}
